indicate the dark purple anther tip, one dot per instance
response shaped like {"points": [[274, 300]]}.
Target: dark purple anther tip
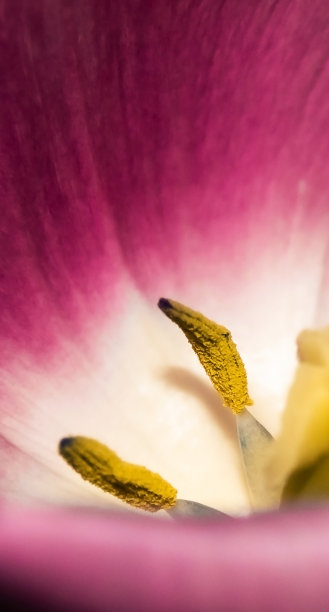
{"points": [[164, 304], [64, 443]]}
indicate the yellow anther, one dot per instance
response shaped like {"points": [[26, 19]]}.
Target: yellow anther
{"points": [[134, 484], [217, 353]]}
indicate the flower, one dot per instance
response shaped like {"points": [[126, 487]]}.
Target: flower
{"points": [[178, 149]]}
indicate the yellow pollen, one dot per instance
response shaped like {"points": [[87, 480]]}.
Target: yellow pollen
{"points": [[216, 351], [134, 484]]}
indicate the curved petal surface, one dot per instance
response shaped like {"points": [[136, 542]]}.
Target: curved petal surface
{"points": [[179, 150], [78, 562]]}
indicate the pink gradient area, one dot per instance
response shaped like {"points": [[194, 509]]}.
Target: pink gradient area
{"points": [[71, 561], [218, 137], [60, 261], [181, 144], [181, 150]]}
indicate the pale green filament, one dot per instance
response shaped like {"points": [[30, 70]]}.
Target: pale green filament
{"points": [[134, 484], [217, 353]]}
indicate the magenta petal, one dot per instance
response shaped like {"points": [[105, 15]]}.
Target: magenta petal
{"points": [[146, 143], [82, 563], [162, 141]]}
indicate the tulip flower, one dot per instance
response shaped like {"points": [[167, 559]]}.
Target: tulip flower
{"points": [[151, 149]]}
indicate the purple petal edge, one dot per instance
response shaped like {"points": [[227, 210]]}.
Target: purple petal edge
{"points": [[84, 562]]}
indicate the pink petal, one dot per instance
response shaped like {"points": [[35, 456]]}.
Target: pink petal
{"points": [[188, 143], [70, 561], [180, 149]]}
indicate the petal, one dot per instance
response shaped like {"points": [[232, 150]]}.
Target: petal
{"points": [[69, 561], [182, 149]]}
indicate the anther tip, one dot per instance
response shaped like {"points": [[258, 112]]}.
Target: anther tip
{"points": [[164, 304], [64, 443]]}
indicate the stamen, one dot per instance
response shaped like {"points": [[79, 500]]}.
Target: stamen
{"points": [[134, 484], [216, 351]]}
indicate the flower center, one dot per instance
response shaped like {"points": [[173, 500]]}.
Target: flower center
{"points": [[294, 467], [135, 484]]}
